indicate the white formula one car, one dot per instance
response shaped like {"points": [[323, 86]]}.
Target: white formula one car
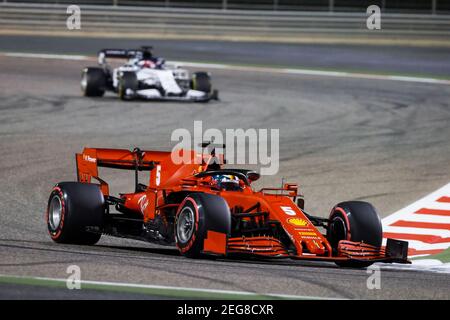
{"points": [[145, 76]]}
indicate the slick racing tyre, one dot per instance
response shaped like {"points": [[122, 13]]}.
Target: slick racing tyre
{"points": [[356, 221], [198, 213], [93, 82], [72, 207], [127, 81], [201, 81]]}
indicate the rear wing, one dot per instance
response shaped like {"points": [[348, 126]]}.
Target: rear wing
{"points": [[91, 159], [164, 173], [117, 53], [123, 53]]}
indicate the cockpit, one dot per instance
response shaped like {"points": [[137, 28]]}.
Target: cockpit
{"points": [[229, 179]]}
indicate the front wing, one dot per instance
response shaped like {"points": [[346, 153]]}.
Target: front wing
{"points": [[269, 247], [154, 95]]}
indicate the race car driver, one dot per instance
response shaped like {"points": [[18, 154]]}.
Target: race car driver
{"points": [[226, 182], [150, 61]]}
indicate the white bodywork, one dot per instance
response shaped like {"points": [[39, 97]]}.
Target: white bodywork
{"points": [[168, 78]]}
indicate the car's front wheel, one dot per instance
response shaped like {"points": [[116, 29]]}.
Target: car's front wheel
{"points": [[356, 221], [198, 213], [128, 85], [201, 81]]}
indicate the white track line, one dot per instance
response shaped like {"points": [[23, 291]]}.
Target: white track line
{"points": [[46, 56], [185, 289], [435, 232], [428, 218], [426, 246], [307, 72], [317, 73]]}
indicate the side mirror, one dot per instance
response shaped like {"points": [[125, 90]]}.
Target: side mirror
{"points": [[253, 176]]}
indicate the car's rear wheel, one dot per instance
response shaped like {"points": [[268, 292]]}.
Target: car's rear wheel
{"points": [[93, 82], [72, 208], [127, 82], [198, 213], [201, 81], [356, 221]]}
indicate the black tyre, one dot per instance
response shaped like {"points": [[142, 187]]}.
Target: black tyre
{"points": [[93, 82], [355, 221], [201, 81], [73, 206], [128, 80], [198, 213]]}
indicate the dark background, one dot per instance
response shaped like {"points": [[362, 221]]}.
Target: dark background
{"points": [[391, 6]]}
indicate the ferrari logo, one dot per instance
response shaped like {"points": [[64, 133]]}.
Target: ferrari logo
{"points": [[143, 203], [297, 222]]}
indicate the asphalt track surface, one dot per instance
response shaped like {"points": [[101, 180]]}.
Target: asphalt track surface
{"points": [[386, 142], [358, 58]]}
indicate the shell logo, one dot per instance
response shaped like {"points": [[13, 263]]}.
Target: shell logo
{"points": [[297, 222]]}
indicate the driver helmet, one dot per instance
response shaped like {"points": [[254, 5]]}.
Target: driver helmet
{"points": [[147, 64], [226, 181]]}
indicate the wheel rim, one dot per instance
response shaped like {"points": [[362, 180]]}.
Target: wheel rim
{"points": [[84, 82], [121, 91], [338, 231], [185, 225], [55, 212]]}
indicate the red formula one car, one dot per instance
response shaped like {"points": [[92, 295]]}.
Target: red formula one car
{"points": [[204, 208]]}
